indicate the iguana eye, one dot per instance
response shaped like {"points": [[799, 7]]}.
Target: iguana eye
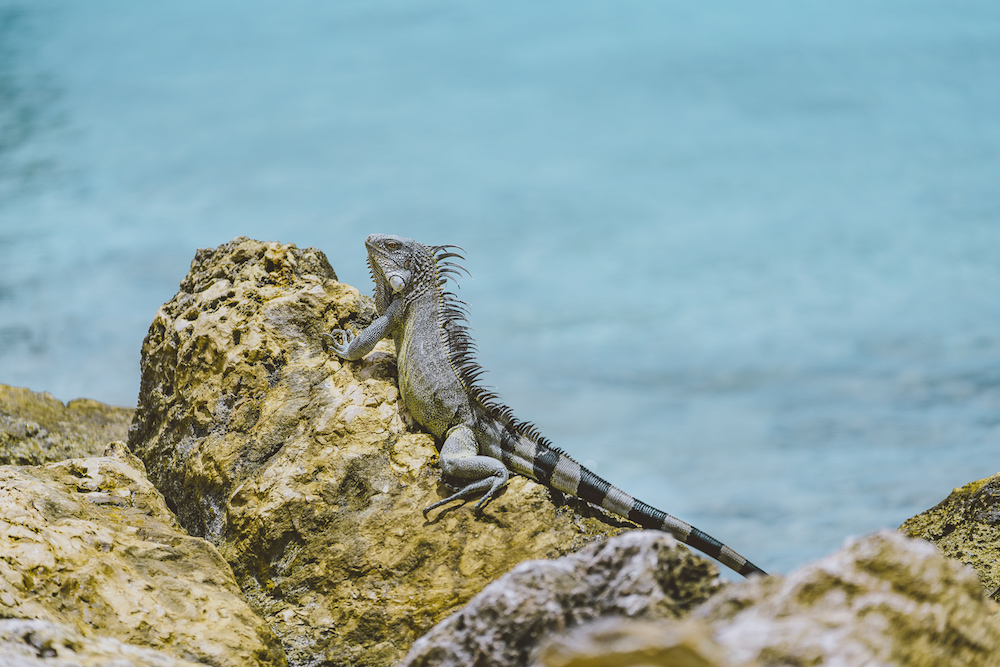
{"points": [[392, 246]]}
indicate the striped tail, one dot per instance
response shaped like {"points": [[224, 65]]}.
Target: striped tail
{"points": [[556, 469]]}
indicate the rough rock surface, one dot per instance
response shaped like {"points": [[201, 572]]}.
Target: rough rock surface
{"points": [[36, 643], [881, 600], [641, 574], [303, 469], [36, 428], [93, 564], [966, 526], [627, 643]]}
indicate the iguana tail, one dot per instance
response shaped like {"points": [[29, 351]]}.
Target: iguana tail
{"points": [[554, 468]]}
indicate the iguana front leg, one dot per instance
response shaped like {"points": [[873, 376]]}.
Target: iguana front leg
{"points": [[354, 347], [460, 458]]}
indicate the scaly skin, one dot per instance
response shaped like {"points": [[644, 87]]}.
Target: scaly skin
{"points": [[483, 442]]}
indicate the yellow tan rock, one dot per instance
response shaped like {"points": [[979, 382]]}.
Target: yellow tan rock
{"points": [[89, 547], [36, 427]]}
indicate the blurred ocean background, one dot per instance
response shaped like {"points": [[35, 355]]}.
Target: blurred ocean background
{"points": [[741, 259]]}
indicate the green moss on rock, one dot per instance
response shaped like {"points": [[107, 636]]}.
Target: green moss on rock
{"points": [[966, 527]]}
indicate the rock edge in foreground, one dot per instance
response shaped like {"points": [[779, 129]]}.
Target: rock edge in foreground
{"points": [[89, 550]]}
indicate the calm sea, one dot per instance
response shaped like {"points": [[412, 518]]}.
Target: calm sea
{"points": [[742, 261]]}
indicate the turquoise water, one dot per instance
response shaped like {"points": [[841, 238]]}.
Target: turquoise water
{"points": [[743, 263]]}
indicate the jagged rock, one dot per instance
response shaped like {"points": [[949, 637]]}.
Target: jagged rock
{"points": [[881, 600], [966, 527], [89, 550], [36, 428], [641, 574], [305, 472]]}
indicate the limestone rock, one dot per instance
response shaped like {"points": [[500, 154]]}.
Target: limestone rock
{"points": [[641, 574], [966, 527], [881, 600], [36, 643], [93, 564], [36, 428], [306, 472]]}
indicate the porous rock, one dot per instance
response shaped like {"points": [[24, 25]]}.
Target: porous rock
{"points": [[38, 643], [966, 527], [94, 567], [639, 575], [880, 600], [306, 471], [36, 428]]}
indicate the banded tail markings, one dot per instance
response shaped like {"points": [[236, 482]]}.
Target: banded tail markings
{"points": [[566, 476], [600, 492]]}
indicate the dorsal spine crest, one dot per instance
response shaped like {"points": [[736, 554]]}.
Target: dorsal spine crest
{"points": [[462, 347]]}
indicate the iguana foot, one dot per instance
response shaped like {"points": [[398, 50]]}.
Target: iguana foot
{"points": [[475, 487], [337, 346]]}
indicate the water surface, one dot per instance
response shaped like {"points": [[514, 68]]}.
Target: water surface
{"points": [[742, 263]]}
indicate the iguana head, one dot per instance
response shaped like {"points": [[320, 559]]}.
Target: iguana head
{"points": [[397, 265], [401, 266]]}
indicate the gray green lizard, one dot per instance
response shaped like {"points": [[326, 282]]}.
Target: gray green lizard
{"points": [[482, 440]]}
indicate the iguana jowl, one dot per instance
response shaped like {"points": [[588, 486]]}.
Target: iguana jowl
{"points": [[483, 441]]}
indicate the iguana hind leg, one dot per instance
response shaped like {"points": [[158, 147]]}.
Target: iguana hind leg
{"points": [[460, 459]]}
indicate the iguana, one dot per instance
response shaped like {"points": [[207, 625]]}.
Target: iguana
{"points": [[438, 373]]}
